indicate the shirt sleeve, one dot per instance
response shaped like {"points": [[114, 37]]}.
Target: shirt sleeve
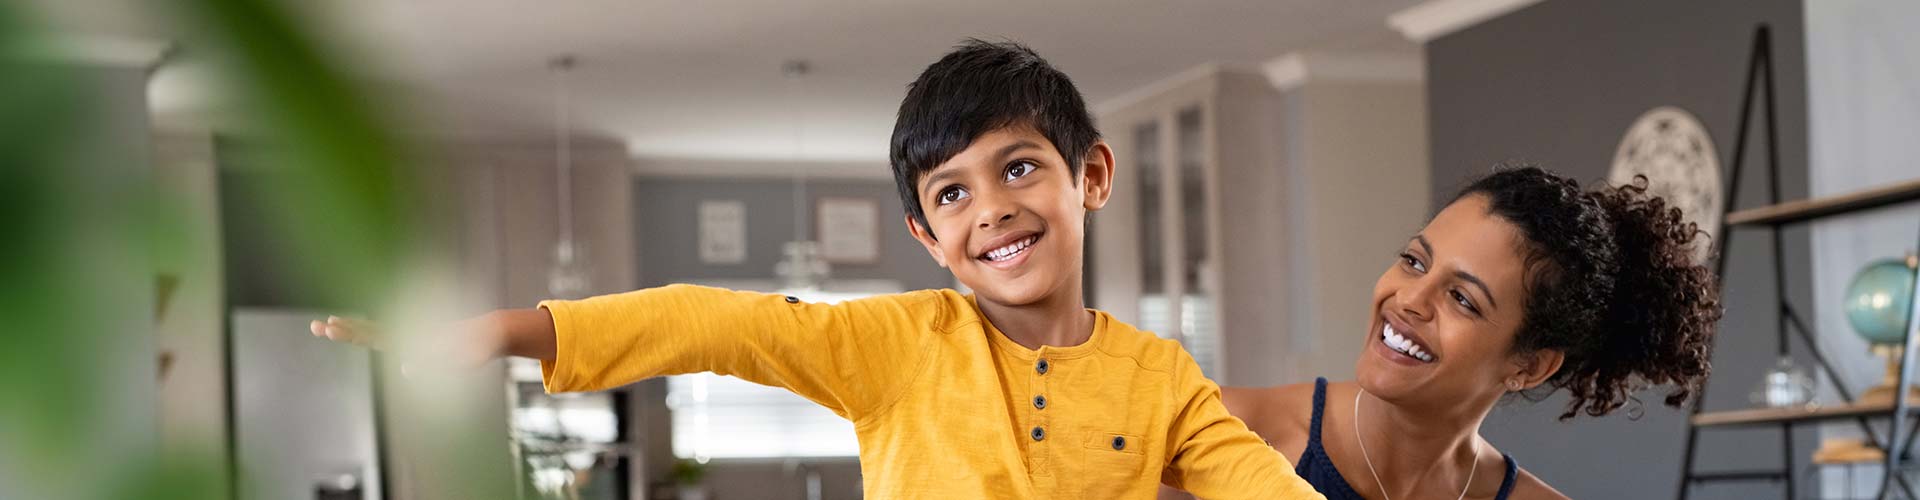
{"points": [[853, 357], [1215, 456]]}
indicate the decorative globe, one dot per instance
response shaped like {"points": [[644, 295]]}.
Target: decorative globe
{"points": [[1879, 301]]}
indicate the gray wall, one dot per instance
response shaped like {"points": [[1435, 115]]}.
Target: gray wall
{"points": [[1559, 82], [666, 217], [1863, 102]]}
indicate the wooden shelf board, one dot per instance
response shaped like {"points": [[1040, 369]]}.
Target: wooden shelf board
{"points": [[1813, 208], [1756, 416]]}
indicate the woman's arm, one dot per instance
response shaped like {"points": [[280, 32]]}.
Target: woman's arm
{"points": [[1281, 414]]}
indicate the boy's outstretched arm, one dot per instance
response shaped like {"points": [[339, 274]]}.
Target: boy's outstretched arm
{"points": [[526, 333], [853, 358]]}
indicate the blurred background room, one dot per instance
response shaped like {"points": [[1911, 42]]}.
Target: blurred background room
{"points": [[186, 183]]}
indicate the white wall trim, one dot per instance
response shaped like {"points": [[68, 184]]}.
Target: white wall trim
{"points": [[710, 168], [1438, 18], [1142, 93], [1290, 71]]}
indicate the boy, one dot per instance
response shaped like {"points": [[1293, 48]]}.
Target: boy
{"points": [[1015, 392]]}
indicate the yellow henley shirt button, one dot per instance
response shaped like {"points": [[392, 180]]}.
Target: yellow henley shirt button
{"points": [[792, 299], [1119, 443], [1039, 433], [1041, 367], [1039, 402]]}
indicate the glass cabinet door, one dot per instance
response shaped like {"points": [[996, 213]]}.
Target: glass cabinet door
{"points": [[1198, 323], [1177, 276]]}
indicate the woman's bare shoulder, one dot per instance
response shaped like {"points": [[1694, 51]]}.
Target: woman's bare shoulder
{"points": [[1529, 487], [1271, 411]]}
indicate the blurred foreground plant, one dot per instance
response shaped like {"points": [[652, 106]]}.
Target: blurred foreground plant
{"points": [[82, 228]]}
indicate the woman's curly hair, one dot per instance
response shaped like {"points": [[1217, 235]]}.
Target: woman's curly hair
{"points": [[1610, 281]]}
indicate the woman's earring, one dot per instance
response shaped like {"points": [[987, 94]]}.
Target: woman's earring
{"points": [[1513, 385]]}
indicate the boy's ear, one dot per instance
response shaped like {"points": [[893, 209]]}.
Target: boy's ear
{"points": [[1096, 176], [925, 237]]}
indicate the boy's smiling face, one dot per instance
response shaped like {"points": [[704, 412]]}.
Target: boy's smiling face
{"points": [[1008, 215]]}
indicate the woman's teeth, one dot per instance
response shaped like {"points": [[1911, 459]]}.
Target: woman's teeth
{"points": [[1402, 345], [1007, 252]]}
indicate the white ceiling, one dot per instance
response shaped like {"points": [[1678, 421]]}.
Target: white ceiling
{"points": [[703, 79]]}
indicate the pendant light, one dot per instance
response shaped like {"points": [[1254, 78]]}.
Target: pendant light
{"points": [[568, 277], [802, 271]]}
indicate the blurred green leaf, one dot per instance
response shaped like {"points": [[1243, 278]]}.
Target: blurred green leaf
{"points": [[40, 304], [72, 238], [343, 202]]}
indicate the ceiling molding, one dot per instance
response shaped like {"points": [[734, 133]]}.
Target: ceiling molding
{"points": [[1286, 72], [1161, 86], [1438, 18], [717, 168], [1290, 71]]}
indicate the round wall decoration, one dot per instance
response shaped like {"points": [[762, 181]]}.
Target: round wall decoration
{"points": [[1671, 148]]}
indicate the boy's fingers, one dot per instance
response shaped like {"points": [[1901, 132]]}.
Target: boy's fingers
{"points": [[339, 333], [356, 325], [344, 330]]}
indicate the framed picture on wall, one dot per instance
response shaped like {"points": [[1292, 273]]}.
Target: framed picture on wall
{"points": [[723, 232], [848, 230]]}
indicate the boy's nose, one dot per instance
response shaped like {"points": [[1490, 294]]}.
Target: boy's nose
{"points": [[993, 210], [986, 223]]}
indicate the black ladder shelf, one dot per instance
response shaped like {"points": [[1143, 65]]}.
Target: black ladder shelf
{"points": [[1902, 421]]}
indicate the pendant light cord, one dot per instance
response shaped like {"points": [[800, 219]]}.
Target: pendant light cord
{"points": [[563, 138]]}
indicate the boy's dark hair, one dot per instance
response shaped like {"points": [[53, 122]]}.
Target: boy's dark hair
{"points": [[978, 88]]}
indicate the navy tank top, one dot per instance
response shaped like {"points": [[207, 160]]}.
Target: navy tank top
{"points": [[1317, 468]]}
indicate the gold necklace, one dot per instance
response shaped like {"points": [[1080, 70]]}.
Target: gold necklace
{"points": [[1471, 467]]}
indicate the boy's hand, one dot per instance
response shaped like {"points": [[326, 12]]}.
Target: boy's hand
{"points": [[462, 345], [350, 331]]}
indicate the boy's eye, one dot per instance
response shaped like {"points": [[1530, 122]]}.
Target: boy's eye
{"points": [[950, 195], [1019, 169], [1413, 263]]}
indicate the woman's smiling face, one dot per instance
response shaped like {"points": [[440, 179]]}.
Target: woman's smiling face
{"points": [[1446, 312]]}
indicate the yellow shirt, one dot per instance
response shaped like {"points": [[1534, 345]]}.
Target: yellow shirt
{"points": [[945, 406]]}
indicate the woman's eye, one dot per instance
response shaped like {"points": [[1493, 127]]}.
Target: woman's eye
{"points": [[950, 195], [1413, 263], [1019, 169], [1461, 298]]}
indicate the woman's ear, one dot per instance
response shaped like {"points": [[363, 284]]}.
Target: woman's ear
{"points": [[1096, 175], [1535, 368]]}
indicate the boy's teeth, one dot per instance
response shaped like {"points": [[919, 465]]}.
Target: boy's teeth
{"points": [[1009, 250]]}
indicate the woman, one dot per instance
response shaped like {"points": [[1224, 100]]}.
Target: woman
{"points": [[1524, 284]]}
